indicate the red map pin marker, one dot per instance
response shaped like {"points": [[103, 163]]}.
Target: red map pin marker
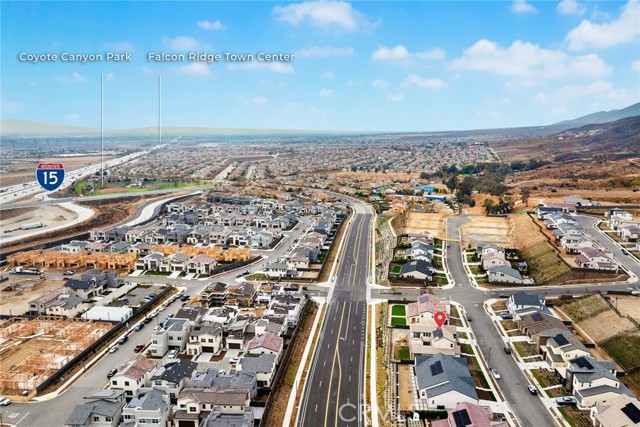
{"points": [[440, 317]]}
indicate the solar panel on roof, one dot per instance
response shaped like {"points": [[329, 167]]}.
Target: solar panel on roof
{"points": [[632, 411], [436, 368], [583, 363], [537, 317], [461, 418], [561, 339]]}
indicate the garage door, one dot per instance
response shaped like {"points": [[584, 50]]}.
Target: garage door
{"points": [[207, 350], [235, 345]]}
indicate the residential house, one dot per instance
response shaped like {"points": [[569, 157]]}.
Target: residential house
{"points": [[172, 333], [507, 275], [171, 377], [467, 414], [39, 305], [262, 365], [419, 250], [267, 343], [205, 339], [417, 270], [620, 411], [73, 247], [522, 303], [201, 264], [99, 412], [65, 305], [242, 294], [425, 307], [617, 216], [134, 374], [194, 405], [214, 295], [559, 346], [150, 262], [219, 419], [147, 407], [428, 338], [174, 262], [593, 382], [444, 381], [596, 260], [85, 289]]}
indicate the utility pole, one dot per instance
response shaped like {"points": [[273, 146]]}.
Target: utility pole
{"points": [[159, 109], [102, 129]]}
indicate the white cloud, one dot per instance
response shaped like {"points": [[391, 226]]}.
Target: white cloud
{"points": [[521, 6], [403, 56], [324, 52], [625, 29], [414, 80], [350, 83], [181, 43], [70, 78], [529, 62], [119, 47], [324, 14], [276, 67], [211, 26], [12, 107], [147, 70], [257, 100], [601, 95], [316, 112], [635, 66], [395, 98], [295, 106], [380, 84], [110, 77], [195, 68], [327, 75], [326, 93], [570, 7], [73, 117]]}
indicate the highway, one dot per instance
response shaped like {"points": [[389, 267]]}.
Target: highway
{"points": [[32, 188], [334, 391]]}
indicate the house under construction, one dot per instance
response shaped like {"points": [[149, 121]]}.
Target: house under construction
{"points": [[54, 259], [32, 350]]}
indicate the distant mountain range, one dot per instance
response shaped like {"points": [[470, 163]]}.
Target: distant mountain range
{"points": [[24, 128], [602, 117]]}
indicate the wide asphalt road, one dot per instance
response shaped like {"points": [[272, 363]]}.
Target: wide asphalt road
{"points": [[334, 393]]}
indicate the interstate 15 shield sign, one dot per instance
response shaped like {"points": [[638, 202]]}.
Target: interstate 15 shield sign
{"points": [[50, 175]]}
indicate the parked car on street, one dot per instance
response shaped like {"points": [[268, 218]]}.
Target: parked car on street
{"points": [[5, 401], [533, 390], [495, 373], [566, 400], [138, 348], [113, 349], [112, 372]]}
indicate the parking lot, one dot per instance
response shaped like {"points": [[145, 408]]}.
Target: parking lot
{"points": [[135, 296]]}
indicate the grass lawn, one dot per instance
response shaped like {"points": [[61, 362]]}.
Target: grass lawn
{"points": [[402, 353], [499, 305], [256, 277], [585, 308], [556, 392], [576, 417], [509, 325], [624, 349], [395, 269], [454, 311], [471, 257], [475, 269], [440, 279], [482, 280], [399, 310], [544, 377], [463, 335], [466, 348], [395, 321]]}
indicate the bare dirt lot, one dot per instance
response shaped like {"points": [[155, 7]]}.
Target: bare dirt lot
{"points": [[434, 223], [23, 170], [483, 229], [50, 215], [404, 388], [606, 325], [16, 301], [628, 305]]}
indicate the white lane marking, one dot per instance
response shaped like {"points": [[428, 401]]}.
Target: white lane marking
{"points": [[22, 418]]}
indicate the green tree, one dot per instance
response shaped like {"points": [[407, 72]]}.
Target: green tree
{"points": [[489, 206], [524, 196]]}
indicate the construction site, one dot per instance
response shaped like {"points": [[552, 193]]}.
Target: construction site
{"points": [[55, 259], [215, 252], [32, 350]]}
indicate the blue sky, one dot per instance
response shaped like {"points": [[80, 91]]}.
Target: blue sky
{"points": [[375, 66]]}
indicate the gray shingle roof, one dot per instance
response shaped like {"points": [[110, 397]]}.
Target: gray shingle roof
{"points": [[259, 363], [152, 400], [81, 413], [441, 374]]}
